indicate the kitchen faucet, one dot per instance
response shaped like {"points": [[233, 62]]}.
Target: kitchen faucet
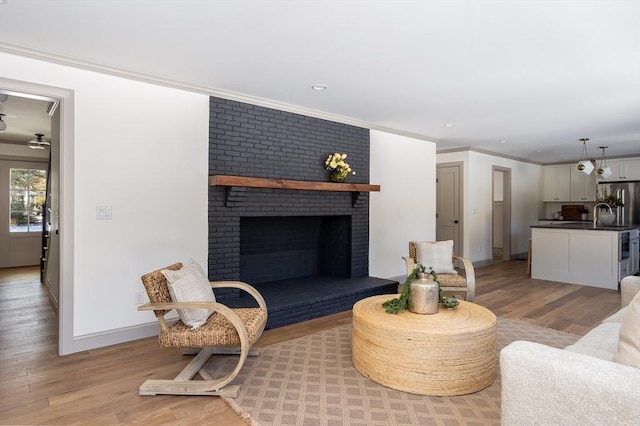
{"points": [[595, 212]]}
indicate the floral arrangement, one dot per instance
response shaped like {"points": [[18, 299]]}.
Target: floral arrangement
{"points": [[338, 167], [611, 200], [394, 306]]}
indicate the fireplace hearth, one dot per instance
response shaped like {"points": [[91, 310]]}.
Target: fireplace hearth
{"points": [[300, 265], [299, 299]]}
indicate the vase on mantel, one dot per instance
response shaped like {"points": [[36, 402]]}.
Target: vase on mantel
{"points": [[338, 176]]}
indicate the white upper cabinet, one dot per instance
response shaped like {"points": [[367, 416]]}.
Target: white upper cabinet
{"points": [[583, 187], [564, 183], [557, 183], [624, 169]]}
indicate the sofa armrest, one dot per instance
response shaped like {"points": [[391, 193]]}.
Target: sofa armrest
{"points": [[629, 287], [544, 385]]}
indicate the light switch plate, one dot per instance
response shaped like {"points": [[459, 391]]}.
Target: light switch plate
{"points": [[103, 212]]}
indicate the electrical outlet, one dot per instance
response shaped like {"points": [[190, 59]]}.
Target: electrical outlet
{"points": [[138, 297]]}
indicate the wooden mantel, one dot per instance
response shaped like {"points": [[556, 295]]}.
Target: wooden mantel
{"points": [[250, 182]]}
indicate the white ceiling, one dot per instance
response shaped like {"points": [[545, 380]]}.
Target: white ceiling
{"points": [[25, 116], [538, 75]]}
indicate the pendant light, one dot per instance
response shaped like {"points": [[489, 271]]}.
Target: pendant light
{"points": [[603, 171], [39, 142], [584, 165], [3, 125]]}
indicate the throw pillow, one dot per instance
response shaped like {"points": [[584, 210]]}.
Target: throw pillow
{"points": [[437, 255], [190, 284], [629, 339]]}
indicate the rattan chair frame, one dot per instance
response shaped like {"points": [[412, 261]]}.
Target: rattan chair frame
{"points": [[160, 302]]}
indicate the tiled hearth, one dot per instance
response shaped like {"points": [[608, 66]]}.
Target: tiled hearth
{"points": [[295, 300]]}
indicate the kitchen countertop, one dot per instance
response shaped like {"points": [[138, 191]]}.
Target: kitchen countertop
{"points": [[587, 226]]}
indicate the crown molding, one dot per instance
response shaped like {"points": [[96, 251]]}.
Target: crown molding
{"points": [[18, 50], [487, 152]]}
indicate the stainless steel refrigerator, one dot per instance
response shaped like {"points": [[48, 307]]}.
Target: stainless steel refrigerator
{"points": [[629, 192]]}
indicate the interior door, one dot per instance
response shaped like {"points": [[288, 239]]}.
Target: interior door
{"points": [[501, 212], [449, 205]]}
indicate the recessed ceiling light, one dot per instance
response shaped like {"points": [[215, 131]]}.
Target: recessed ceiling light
{"points": [[503, 141], [449, 124], [319, 87]]}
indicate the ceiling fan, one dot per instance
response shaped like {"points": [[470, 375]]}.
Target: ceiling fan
{"points": [[39, 142]]}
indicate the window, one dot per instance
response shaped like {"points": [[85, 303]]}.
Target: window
{"points": [[27, 192]]}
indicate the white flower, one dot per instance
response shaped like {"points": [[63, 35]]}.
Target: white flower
{"points": [[335, 162]]}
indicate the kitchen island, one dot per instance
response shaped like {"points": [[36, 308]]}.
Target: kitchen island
{"points": [[578, 253]]}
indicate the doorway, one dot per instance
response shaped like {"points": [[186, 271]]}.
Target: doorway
{"points": [[501, 213], [59, 274], [449, 208]]}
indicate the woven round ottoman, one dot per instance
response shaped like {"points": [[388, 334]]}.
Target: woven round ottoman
{"points": [[449, 353]]}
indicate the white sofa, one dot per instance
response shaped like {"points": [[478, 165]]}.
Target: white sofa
{"points": [[578, 385]]}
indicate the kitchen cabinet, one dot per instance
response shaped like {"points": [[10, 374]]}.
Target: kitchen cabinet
{"points": [[574, 256], [583, 187], [557, 183], [624, 169], [564, 183]]}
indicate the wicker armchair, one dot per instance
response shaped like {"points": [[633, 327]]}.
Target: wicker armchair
{"points": [[227, 331], [450, 282]]}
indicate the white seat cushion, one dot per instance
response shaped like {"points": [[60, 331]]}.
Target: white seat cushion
{"points": [[617, 317], [601, 342]]}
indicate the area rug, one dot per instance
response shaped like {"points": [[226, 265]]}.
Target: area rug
{"points": [[311, 381]]}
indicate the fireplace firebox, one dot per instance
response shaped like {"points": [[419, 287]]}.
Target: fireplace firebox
{"points": [[284, 247]]}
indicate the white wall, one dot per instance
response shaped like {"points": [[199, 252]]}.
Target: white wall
{"points": [[142, 149], [526, 194], [405, 207]]}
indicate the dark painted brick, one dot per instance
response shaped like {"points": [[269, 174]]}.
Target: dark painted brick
{"points": [[255, 141]]}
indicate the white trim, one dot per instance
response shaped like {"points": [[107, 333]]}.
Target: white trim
{"points": [[66, 96], [115, 336], [482, 262], [484, 151], [206, 90]]}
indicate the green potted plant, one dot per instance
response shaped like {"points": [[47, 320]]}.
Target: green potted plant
{"points": [[605, 215], [611, 199], [584, 213]]}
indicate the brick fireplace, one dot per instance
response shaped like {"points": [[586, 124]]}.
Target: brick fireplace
{"points": [[285, 236]]}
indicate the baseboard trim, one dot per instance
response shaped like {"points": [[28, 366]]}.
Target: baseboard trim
{"points": [[114, 337], [520, 256], [481, 263]]}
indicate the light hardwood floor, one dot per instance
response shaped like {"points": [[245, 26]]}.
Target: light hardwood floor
{"points": [[101, 386]]}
